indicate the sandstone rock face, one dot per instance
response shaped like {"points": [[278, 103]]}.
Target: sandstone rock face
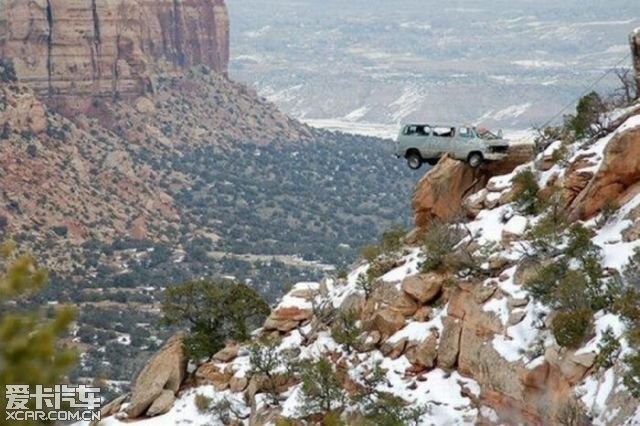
{"points": [[576, 179], [440, 193], [617, 179], [75, 50], [162, 375]]}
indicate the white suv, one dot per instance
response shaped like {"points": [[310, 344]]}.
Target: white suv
{"points": [[422, 143]]}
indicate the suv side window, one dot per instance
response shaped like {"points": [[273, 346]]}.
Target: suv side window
{"points": [[466, 132], [424, 131], [445, 132], [410, 130]]}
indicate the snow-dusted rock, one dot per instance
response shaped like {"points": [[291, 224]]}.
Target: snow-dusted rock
{"points": [[424, 287], [424, 354], [165, 371], [449, 343], [390, 297], [227, 353], [162, 404], [617, 180], [515, 228], [386, 321]]}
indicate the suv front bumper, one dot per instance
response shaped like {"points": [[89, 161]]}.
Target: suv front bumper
{"points": [[494, 156]]}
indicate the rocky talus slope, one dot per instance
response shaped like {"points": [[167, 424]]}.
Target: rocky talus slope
{"points": [[474, 348], [73, 51]]}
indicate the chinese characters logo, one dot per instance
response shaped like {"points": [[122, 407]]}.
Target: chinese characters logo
{"points": [[57, 403]]}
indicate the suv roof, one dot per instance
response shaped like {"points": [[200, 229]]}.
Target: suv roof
{"points": [[438, 125]]}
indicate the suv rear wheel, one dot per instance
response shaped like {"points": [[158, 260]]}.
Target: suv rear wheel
{"points": [[414, 159], [475, 159]]}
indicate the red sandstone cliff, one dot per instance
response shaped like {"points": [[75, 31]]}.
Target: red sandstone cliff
{"points": [[75, 50]]}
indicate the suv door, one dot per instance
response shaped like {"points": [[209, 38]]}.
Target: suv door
{"points": [[424, 141], [465, 142], [443, 140]]}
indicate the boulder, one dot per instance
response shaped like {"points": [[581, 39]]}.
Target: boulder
{"points": [[514, 302], [474, 204], [573, 367], [425, 354], [525, 270], [256, 383], [162, 404], [449, 343], [516, 317], [423, 314], [514, 229], [238, 384], [291, 314], [479, 359], [283, 326], [354, 302], [388, 296], [305, 291], [403, 304], [498, 263], [482, 293], [424, 287], [210, 374], [228, 353], [165, 371], [111, 408], [370, 340], [285, 319], [395, 349], [386, 321]]}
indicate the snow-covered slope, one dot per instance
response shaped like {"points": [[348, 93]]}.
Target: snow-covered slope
{"points": [[467, 346]]}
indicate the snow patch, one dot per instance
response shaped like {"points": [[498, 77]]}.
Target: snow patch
{"points": [[517, 225]]}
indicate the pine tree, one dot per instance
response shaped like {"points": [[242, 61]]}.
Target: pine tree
{"points": [[214, 311], [29, 350]]}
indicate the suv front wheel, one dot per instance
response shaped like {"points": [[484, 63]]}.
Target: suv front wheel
{"points": [[475, 159], [414, 160]]}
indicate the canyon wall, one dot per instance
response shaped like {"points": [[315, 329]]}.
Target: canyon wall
{"points": [[72, 51]]}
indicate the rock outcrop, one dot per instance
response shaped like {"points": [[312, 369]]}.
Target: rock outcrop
{"points": [[155, 388], [617, 180], [73, 51], [440, 192]]}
